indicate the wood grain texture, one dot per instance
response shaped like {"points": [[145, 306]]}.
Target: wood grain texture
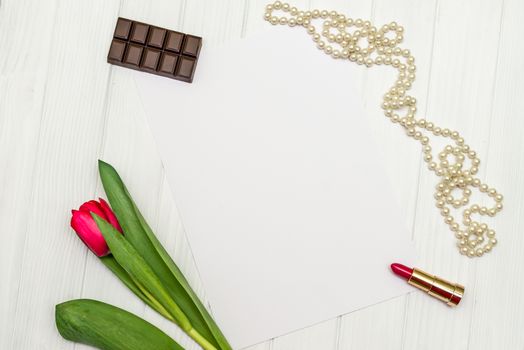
{"points": [[62, 107]]}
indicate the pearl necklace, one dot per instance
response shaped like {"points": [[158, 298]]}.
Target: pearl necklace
{"points": [[474, 238]]}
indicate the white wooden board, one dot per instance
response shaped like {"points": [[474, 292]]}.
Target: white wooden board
{"points": [[61, 109]]}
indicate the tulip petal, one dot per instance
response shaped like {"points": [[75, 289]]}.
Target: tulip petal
{"points": [[88, 231], [109, 215], [93, 207]]}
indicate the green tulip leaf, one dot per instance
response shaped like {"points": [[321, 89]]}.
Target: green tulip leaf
{"points": [[140, 272], [141, 237], [133, 285], [109, 328], [110, 262]]}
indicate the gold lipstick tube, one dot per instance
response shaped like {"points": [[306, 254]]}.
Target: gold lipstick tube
{"points": [[450, 293]]}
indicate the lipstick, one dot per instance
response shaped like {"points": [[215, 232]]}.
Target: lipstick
{"points": [[450, 293]]}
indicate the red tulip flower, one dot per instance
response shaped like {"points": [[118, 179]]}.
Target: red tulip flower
{"points": [[86, 228]]}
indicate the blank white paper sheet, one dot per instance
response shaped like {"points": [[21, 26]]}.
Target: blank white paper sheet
{"points": [[279, 183]]}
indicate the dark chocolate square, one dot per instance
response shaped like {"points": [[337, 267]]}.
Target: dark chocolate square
{"points": [[167, 64], [133, 54], [116, 51], [185, 68], [123, 26], [150, 59], [156, 37], [139, 32], [192, 45], [174, 41]]}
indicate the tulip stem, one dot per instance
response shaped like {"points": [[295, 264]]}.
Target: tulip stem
{"points": [[155, 304], [203, 342], [206, 345]]}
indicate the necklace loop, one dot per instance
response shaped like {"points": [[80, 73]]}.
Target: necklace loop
{"points": [[473, 237]]}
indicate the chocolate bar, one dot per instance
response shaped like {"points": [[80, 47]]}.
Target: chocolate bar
{"points": [[154, 50]]}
